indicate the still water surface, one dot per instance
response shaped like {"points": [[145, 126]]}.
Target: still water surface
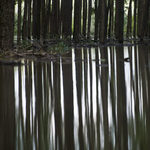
{"points": [[91, 99]]}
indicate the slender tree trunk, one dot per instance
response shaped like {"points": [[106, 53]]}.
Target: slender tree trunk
{"points": [[25, 21], [43, 11], [76, 21], [107, 11], [7, 24], [47, 20], [19, 22], [140, 18], [129, 24], [111, 19], [84, 16], [149, 26], [29, 19], [119, 20], [102, 30], [89, 18], [67, 18], [135, 18], [80, 10], [55, 19], [145, 18], [36, 19], [96, 21], [34, 28]]}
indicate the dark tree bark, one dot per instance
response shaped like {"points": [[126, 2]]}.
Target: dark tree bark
{"points": [[7, 24], [29, 18], [80, 10], [111, 19], [47, 20], [140, 18], [103, 20], [145, 18], [119, 20], [135, 18], [34, 28], [26, 28], [96, 21], [77, 24], [43, 11], [89, 18], [107, 11], [84, 17], [19, 22], [36, 19], [25, 21], [66, 18], [129, 24], [55, 19]]}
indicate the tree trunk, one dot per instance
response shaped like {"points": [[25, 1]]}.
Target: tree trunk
{"points": [[36, 19], [55, 19], [119, 20], [89, 18], [6, 24], [25, 21], [67, 18], [76, 21], [34, 28], [140, 17], [102, 29], [135, 18], [19, 22], [111, 19], [96, 21], [80, 10], [145, 18], [29, 19], [47, 20], [84, 16], [129, 24], [43, 11]]}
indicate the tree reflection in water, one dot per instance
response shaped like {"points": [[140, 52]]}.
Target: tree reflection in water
{"points": [[91, 99]]}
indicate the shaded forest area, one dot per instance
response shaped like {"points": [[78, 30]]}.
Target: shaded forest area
{"points": [[73, 20]]}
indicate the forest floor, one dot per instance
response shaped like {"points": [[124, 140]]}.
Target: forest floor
{"points": [[52, 50]]}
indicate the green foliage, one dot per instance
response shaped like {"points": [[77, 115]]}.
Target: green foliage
{"points": [[60, 48]]}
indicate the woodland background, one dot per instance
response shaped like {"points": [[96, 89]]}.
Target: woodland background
{"points": [[76, 20]]}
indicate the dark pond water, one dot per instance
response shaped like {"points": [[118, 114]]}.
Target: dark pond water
{"points": [[91, 99]]}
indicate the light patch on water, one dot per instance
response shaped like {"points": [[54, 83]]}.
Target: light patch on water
{"points": [[75, 102], [16, 86], [23, 87]]}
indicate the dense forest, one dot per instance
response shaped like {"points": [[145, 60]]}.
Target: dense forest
{"points": [[75, 20]]}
